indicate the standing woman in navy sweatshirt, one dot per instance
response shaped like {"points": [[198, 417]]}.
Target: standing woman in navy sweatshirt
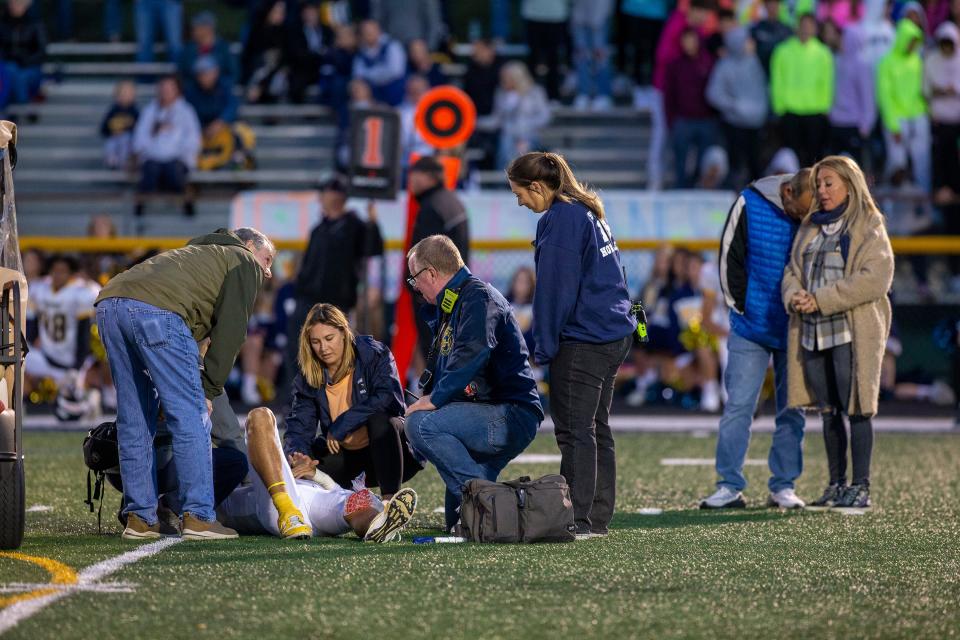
{"points": [[582, 326]]}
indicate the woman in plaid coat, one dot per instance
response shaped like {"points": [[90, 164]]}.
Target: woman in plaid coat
{"points": [[835, 290]]}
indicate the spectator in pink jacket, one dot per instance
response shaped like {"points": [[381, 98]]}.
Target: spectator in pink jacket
{"points": [[696, 16], [843, 13]]}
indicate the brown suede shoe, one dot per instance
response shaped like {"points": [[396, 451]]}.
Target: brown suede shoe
{"points": [[138, 530], [196, 529]]}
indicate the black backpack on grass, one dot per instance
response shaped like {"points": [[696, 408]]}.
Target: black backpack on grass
{"points": [[101, 454], [521, 510]]}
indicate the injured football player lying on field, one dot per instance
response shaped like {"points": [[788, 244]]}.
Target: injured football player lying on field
{"points": [[281, 503]]}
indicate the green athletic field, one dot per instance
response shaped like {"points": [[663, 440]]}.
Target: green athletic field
{"points": [[758, 573]]}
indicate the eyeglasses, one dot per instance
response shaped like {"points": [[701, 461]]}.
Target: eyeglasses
{"points": [[412, 280]]}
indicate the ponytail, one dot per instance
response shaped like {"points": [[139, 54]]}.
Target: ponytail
{"points": [[552, 170]]}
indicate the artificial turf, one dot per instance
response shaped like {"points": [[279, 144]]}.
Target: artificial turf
{"points": [[753, 573]]}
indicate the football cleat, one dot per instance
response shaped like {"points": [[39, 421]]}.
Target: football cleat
{"points": [[292, 526], [395, 515]]}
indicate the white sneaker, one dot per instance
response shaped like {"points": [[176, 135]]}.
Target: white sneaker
{"points": [[643, 98], [785, 499], [249, 393], [602, 103], [637, 397], [724, 498], [710, 397], [581, 102], [109, 398]]}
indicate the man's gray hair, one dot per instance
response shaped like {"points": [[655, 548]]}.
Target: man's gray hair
{"points": [[259, 240], [438, 252]]}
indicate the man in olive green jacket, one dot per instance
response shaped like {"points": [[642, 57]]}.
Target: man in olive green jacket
{"points": [[150, 319]]}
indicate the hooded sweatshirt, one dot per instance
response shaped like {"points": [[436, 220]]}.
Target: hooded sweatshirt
{"points": [[668, 47], [900, 78], [212, 284], [940, 72], [801, 78], [738, 84], [581, 293], [168, 133], [877, 32], [685, 86], [842, 12], [854, 104]]}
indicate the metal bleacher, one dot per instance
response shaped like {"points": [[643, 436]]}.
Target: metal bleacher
{"points": [[61, 180]]}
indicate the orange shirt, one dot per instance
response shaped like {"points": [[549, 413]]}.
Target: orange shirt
{"points": [[340, 398]]}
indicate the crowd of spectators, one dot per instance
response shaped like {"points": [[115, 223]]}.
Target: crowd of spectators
{"points": [[874, 79], [735, 90]]}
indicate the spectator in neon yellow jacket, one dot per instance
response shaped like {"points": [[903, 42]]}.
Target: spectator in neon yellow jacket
{"points": [[903, 109], [801, 91]]}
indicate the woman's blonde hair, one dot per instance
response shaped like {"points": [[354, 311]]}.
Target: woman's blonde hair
{"points": [[520, 74], [552, 170], [311, 366], [859, 200]]}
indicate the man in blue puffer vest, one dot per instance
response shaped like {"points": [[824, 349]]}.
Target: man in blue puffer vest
{"points": [[754, 250]]}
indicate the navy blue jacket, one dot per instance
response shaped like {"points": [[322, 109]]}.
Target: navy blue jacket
{"points": [[218, 104], [482, 346], [376, 389], [581, 294]]}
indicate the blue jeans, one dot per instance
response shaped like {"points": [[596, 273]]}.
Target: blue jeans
{"points": [[698, 133], [743, 379], [467, 440], [229, 469], [500, 20], [154, 360], [112, 20], [168, 14], [24, 82], [592, 56], [64, 19]]}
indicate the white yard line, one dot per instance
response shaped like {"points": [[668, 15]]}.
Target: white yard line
{"points": [[20, 611], [536, 458]]}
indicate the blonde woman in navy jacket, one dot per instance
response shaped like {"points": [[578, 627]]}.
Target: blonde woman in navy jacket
{"points": [[582, 326]]}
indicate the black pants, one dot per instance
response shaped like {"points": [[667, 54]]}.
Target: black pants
{"points": [[847, 140], [546, 39], [387, 461], [743, 150], [806, 135], [946, 156], [581, 390], [643, 34], [830, 375], [170, 177]]}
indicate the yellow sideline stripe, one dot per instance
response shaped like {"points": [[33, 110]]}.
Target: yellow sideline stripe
{"points": [[60, 574], [931, 245]]}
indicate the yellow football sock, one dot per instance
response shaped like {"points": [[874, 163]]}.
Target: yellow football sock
{"points": [[283, 502]]}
